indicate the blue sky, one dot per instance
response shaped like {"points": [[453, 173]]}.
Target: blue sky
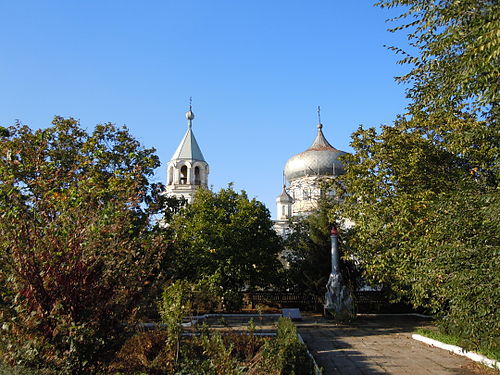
{"points": [[256, 70]]}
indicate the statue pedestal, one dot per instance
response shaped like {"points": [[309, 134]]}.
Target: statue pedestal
{"points": [[339, 304]]}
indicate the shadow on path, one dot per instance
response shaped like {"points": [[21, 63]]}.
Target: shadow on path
{"points": [[377, 345]]}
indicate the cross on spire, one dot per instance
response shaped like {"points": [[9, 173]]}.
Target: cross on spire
{"points": [[189, 113], [320, 125]]}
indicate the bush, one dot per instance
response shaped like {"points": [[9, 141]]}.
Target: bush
{"points": [[286, 354], [78, 251], [144, 352], [171, 352], [211, 353]]}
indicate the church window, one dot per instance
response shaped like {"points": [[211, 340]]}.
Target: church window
{"points": [[283, 213], [305, 194], [183, 178], [197, 179]]}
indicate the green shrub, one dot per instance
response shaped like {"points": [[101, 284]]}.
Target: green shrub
{"points": [[296, 360], [286, 354], [219, 354]]}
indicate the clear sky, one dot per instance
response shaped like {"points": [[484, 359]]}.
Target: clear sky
{"points": [[256, 70]]}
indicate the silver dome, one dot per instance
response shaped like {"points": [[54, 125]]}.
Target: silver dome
{"points": [[321, 159]]}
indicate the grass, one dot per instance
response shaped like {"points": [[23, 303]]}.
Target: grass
{"points": [[453, 340]]}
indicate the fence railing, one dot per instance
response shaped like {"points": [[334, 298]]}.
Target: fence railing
{"points": [[281, 299], [366, 301]]}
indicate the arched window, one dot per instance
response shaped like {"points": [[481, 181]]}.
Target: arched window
{"points": [[283, 212], [197, 178], [184, 174]]}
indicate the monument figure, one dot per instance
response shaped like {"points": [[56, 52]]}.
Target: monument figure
{"points": [[338, 300]]}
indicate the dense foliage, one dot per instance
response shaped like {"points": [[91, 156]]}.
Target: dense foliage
{"points": [[457, 60], [286, 354], [202, 350], [228, 238], [78, 251], [427, 221], [210, 353], [424, 192], [308, 254]]}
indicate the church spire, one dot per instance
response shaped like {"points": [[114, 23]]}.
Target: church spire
{"points": [[188, 149], [190, 114], [320, 142]]}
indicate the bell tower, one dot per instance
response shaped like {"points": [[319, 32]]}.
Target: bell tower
{"points": [[187, 170], [284, 212]]}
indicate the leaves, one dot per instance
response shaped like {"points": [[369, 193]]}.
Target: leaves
{"points": [[459, 55], [424, 214], [227, 235], [78, 249]]}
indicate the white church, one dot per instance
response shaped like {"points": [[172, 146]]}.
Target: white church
{"points": [[187, 170]]}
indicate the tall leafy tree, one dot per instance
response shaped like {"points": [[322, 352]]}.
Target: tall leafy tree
{"points": [[78, 249], [424, 192], [457, 60], [307, 254], [228, 237], [426, 221]]}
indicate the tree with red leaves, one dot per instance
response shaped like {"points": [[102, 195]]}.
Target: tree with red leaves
{"points": [[79, 250]]}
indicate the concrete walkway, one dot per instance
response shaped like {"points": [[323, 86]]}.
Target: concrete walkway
{"points": [[379, 345]]}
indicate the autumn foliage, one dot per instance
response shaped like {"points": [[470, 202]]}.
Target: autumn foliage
{"points": [[77, 248]]}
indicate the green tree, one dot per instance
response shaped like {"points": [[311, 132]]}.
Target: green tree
{"points": [[457, 60], [78, 250], [426, 217], [229, 237], [424, 192], [308, 253]]}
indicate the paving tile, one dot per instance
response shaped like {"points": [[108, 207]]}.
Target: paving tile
{"points": [[377, 345]]}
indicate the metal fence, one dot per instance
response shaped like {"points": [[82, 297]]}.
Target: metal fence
{"points": [[366, 301]]}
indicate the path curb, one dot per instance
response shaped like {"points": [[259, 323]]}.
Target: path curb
{"points": [[317, 369], [458, 350]]}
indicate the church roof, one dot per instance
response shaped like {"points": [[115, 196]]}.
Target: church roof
{"points": [[188, 149], [320, 159], [320, 143], [284, 197]]}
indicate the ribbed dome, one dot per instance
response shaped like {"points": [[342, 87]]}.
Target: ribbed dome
{"points": [[321, 159]]}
